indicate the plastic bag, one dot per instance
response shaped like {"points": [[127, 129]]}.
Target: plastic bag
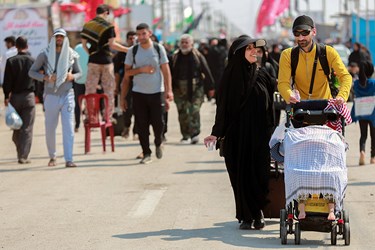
{"points": [[12, 119], [276, 141]]}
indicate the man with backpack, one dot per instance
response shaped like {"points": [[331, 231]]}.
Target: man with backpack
{"points": [[309, 66], [151, 89]]}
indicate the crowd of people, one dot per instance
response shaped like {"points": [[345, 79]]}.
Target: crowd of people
{"points": [[142, 77]]}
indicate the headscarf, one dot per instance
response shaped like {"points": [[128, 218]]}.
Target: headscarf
{"points": [[237, 82], [366, 70], [65, 61]]}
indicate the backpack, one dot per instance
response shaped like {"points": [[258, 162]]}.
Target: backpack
{"points": [[322, 54], [135, 49]]}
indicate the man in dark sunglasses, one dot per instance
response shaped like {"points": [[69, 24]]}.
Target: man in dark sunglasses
{"points": [[308, 80], [304, 31]]}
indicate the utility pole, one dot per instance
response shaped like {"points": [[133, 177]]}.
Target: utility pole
{"points": [[128, 17], [367, 25], [162, 20]]}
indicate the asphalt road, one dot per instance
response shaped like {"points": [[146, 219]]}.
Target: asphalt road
{"points": [[182, 201]]}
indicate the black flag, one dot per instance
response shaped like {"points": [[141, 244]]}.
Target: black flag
{"points": [[194, 24]]}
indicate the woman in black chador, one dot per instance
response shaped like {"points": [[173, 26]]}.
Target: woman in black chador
{"points": [[244, 117]]}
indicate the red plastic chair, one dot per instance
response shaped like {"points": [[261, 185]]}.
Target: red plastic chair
{"points": [[94, 119]]}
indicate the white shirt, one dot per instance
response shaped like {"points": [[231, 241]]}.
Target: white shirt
{"points": [[12, 51]]}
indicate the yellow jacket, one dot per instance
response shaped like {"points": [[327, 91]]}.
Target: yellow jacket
{"points": [[304, 69]]}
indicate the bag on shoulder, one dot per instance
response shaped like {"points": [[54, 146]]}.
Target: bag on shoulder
{"points": [[12, 118]]}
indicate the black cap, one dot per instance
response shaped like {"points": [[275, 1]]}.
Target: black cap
{"points": [[303, 23], [103, 8]]}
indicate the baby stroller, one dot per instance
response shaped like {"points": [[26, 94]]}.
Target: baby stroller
{"points": [[315, 169]]}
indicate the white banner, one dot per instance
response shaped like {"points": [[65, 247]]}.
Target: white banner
{"points": [[29, 22], [364, 105]]}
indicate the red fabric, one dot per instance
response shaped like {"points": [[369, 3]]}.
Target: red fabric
{"points": [[269, 10], [343, 111], [91, 6], [120, 11], [72, 7], [156, 20]]}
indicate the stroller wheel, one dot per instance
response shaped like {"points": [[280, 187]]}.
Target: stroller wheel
{"points": [[282, 219], [347, 233], [334, 235], [345, 216], [284, 233], [297, 234]]}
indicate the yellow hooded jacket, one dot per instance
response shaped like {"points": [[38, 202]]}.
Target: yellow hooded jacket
{"points": [[304, 69]]}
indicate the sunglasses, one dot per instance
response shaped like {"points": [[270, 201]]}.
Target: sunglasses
{"points": [[303, 33]]}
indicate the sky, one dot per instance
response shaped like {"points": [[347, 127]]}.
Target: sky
{"points": [[243, 13]]}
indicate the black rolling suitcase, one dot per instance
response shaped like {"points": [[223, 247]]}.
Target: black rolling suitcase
{"points": [[276, 195], [118, 123]]}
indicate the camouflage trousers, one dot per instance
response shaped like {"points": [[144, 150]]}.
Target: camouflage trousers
{"points": [[188, 111], [103, 74]]}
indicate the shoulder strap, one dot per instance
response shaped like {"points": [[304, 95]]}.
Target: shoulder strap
{"points": [[156, 47], [294, 62], [323, 59], [135, 49], [317, 54]]}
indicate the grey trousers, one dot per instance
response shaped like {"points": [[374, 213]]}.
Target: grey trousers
{"points": [[24, 104]]}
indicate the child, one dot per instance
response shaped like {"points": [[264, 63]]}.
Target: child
{"points": [[365, 87], [302, 202]]}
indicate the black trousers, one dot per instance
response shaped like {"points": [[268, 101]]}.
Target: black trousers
{"points": [[363, 124], [79, 89], [149, 110], [24, 104]]}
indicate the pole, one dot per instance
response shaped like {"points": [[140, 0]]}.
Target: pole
{"points": [[367, 25], [162, 20], [182, 19], [128, 17], [358, 20]]}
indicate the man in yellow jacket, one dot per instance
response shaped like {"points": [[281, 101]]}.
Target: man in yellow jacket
{"points": [[304, 31]]}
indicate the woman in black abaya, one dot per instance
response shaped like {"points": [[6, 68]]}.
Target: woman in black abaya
{"points": [[244, 117]]}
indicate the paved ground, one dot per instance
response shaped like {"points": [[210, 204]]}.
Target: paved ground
{"points": [[183, 201]]}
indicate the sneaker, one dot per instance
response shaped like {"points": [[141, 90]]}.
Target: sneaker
{"points": [[194, 139], [146, 160], [246, 225], [70, 164], [159, 152], [185, 141], [23, 161]]}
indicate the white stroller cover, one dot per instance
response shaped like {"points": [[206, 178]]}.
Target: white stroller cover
{"points": [[315, 162]]}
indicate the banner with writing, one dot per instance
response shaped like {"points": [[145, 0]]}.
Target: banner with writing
{"points": [[29, 22]]}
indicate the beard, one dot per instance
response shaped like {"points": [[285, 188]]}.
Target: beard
{"points": [[186, 51]]}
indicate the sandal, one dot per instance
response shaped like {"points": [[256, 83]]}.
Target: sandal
{"points": [[52, 162]]}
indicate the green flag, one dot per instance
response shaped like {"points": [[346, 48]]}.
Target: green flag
{"points": [[189, 19]]}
